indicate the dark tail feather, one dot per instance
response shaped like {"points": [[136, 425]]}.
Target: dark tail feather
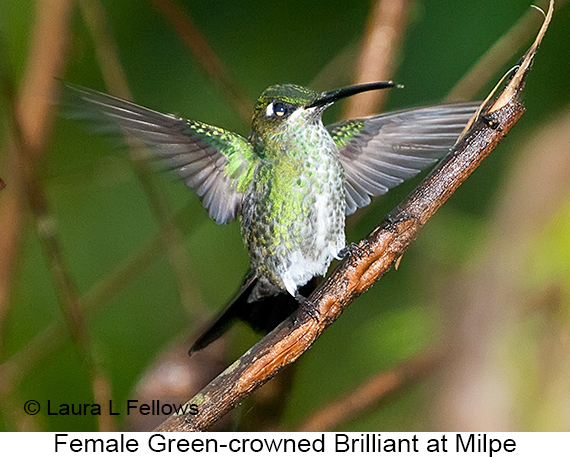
{"points": [[222, 322], [262, 315]]}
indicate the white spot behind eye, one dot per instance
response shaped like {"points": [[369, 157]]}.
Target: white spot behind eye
{"points": [[269, 110]]}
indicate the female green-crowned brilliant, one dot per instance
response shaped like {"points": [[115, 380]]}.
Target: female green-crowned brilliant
{"points": [[291, 182]]}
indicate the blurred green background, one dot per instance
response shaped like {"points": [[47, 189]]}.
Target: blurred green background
{"points": [[476, 320]]}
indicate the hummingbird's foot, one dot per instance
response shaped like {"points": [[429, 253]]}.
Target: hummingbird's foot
{"points": [[347, 250], [307, 306]]}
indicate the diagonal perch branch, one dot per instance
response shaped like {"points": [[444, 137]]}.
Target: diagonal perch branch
{"points": [[368, 261]]}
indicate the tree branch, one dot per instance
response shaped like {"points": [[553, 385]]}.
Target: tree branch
{"points": [[367, 262]]}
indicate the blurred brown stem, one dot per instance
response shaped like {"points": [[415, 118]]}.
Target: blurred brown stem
{"points": [[204, 54], [32, 117], [62, 278], [370, 393], [53, 336], [46, 59], [116, 82], [386, 25]]}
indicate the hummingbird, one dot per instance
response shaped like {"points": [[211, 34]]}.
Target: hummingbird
{"points": [[291, 182]]}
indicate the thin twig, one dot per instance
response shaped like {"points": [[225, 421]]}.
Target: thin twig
{"points": [[368, 261], [494, 59]]}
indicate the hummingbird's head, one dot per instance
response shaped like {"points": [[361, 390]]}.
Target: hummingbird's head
{"points": [[284, 108]]}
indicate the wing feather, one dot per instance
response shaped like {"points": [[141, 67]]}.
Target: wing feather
{"points": [[211, 160], [380, 152]]}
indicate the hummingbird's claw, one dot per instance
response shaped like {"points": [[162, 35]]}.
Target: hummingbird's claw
{"points": [[352, 248], [307, 306]]}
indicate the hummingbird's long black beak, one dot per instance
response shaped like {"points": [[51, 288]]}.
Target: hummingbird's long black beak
{"points": [[330, 97]]}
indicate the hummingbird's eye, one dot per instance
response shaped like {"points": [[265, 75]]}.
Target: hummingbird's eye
{"points": [[276, 109], [280, 109]]}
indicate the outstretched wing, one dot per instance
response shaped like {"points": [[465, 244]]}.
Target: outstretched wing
{"points": [[380, 152], [213, 161]]}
